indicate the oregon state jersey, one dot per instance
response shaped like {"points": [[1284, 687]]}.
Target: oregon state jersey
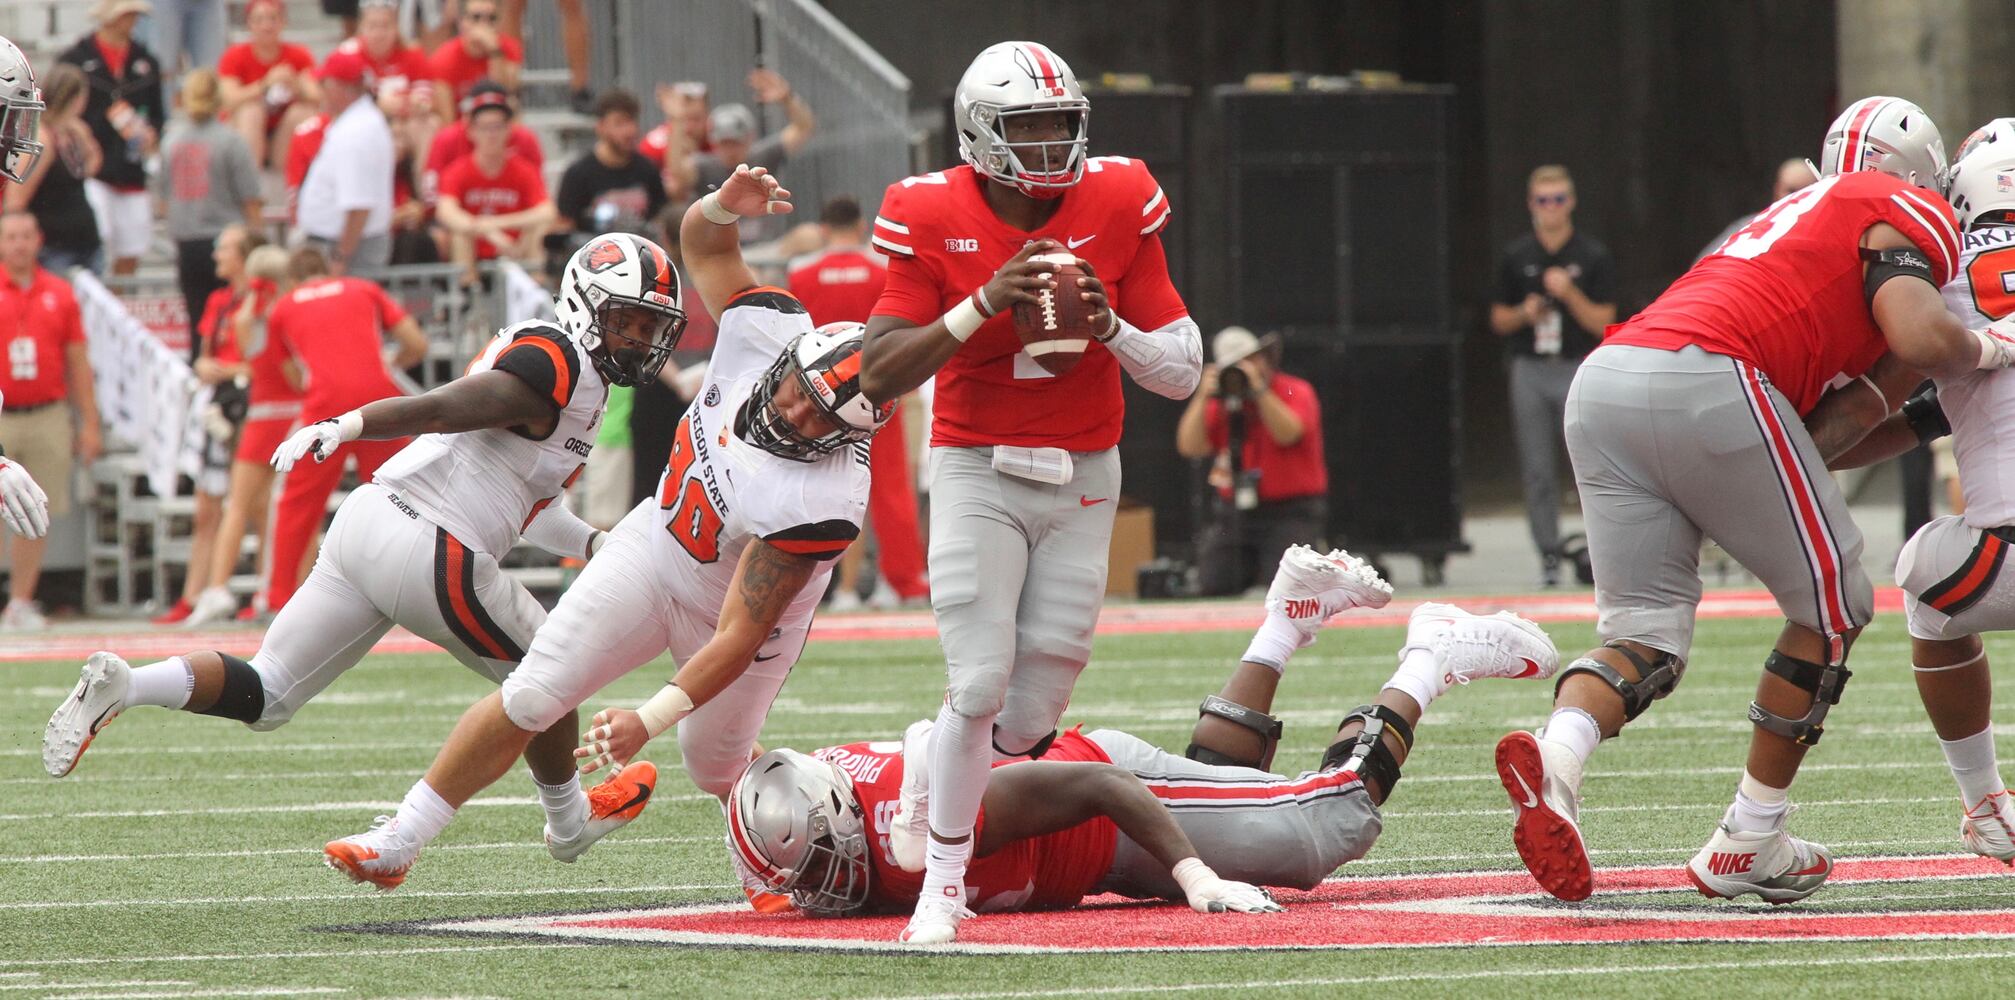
{"points": [[1981, 404], [718, 492], [943, 241], [485, 486], [1048, 872], [1785, 293]]}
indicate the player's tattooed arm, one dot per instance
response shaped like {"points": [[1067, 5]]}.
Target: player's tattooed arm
{"points": [[767, 580], [485, 399]]}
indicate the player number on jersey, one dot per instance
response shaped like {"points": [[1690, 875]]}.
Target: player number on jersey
{"points": [[1753, 239], [693, 521], [1992, 275]]}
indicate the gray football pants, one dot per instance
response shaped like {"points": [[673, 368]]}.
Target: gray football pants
{"points": [[1248, 825], [1017, 573], [1670, 445]]}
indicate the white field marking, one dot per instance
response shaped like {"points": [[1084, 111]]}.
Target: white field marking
{"points": [[298, 807], [249, 991], [240, 956], [103, 984], [530, 845], [267, 748], [131, 777], [1660, 807], [1652, 853], [361, 894], [1415, 977]]}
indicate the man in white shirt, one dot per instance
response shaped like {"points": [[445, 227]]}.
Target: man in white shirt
{"points": [[346, 199]]}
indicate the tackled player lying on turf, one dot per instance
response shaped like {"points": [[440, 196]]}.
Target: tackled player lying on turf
{"points": [[1105, 811]]}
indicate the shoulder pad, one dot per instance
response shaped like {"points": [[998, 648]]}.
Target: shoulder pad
{"points": [[819, 540], [766, 297], [543, 356]]}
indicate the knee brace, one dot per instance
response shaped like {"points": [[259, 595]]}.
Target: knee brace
{"points": [[1824, 681], [1041, 746], [1268, 728], [243, 696], [1654, 680], [1366, 754]]}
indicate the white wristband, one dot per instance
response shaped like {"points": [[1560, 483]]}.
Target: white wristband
{"points": [[710, 206], [962, 319], [350, 426], [1189, 871], [664, 710]]}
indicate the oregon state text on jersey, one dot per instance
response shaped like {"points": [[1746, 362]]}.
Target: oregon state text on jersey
{"points": [[1980, 405], [1047, 872], [943, 241], [1785, 292], [485, 486], [718, 491]]}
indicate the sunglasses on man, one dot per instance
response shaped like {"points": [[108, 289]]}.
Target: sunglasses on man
{"points": [[1549, 200]]}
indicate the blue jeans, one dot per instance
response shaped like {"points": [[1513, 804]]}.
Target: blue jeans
{"points": [[194, 28]]}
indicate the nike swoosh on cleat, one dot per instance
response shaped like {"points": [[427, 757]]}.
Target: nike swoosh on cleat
{"points": [[1531, 800], [1818, 868], [1531, 668], [765, 659], [643, 793], [99, 722]]}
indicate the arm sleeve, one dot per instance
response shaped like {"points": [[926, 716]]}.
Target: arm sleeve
{"points": [[1167, 361], [820, 540], [557, 530], [541, 361]]}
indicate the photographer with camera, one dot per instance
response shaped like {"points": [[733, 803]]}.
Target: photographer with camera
{"points": [[1263, 430]]}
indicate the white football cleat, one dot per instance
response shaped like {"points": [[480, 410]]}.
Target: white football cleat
{"points": [[1468, 646], [1310, 587], [213, 605], [1989, 827], [99, 697], [1775, 866], [380, 856], [616, 801], [910, 830], [1544, 782], [936, 920]]}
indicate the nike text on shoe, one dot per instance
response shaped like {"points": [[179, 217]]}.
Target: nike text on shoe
{"points": [[1775, 865], [379, 856], [1310, 587], [1469, 646], [1547, 806], [936, 920], [611, 804], [1989, 827], [910, 831], [99, 697]]}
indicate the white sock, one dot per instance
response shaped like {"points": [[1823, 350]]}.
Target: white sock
{"points": [[1275, 642], [961, 755], [166, 684], [1973, 765], [1574, 730], [566, 806], [1419, 676], [1758, 807], [423, 814]]}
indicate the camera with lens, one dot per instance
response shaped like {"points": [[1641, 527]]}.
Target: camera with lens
{"points": [[1233, 383]]}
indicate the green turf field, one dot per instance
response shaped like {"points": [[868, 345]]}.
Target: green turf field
{"points": [[182, 857]]}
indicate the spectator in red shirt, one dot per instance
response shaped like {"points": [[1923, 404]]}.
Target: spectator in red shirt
{"points": [[840, 284], [493, 204], [269, 84], [452, 142], [478, 52], [1274, 491], [334, 328], [51, 405]]}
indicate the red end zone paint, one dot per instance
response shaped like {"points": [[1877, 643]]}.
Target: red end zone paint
{"points": [[1457, 909], [144, 642]]}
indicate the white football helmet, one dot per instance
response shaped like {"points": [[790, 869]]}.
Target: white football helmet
{"points": [[1982, 178], [1013, 79], [20, 114], [613, 285], [1888, 134], [796, 825], [826, 365]]}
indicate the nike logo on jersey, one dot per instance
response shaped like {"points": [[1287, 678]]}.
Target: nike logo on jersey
{"points": [[1074, 244], [765, 659], [1085, 501]]}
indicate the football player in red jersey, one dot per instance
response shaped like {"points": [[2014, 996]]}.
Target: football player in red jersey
{"points": [[24, 508], [1105, 811], [1687, 422], [1024, 472]]}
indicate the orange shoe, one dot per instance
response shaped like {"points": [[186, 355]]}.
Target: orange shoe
{"points": [[611, 804], [378, 856]]}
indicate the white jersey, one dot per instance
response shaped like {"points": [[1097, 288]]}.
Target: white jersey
{"points": [[485, 486], [719, 492], [1981, 405]]}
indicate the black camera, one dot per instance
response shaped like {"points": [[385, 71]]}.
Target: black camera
{"points": [[1233, 382]]}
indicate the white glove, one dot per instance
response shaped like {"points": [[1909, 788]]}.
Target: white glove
{"points": [[24, 508], [1209, 894], [320, 439]]}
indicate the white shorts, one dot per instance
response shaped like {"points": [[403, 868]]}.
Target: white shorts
{"points": [[1953, 586], [381, 564], [125, 218], [619, 615]]}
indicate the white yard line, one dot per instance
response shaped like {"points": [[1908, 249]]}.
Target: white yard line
{"points": [[248, 991], [1657, 807], [529, 845], [297, 807], [99, 985], [262, 956], [359, 894]]}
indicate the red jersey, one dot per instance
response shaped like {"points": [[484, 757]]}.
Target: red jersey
{"points": [[839, 285], [335, 329], [658, 142], [242, 64], [1785, 292], [401, 75], [271, 395], [215, 326], [301, 152], [943, 241], [452, 143], [1298, 470], [1040, 873], [454, 66], [514, 188], [38, 324]]}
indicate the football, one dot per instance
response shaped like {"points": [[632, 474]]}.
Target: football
{"points": [[1056, 329]]}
